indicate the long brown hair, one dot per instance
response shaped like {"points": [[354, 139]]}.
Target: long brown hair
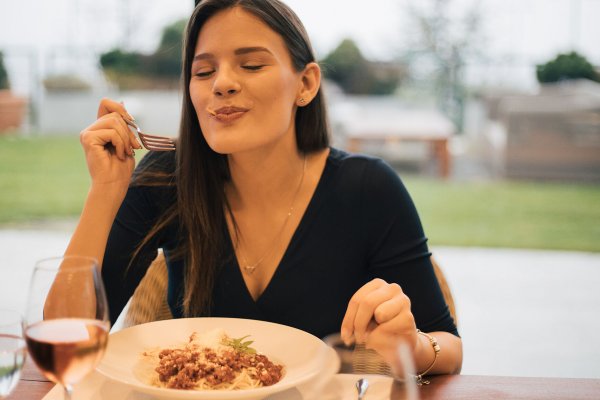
{"points": [[201, 173]]}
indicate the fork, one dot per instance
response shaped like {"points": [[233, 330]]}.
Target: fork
{"points": [[152, 142], [361, 388]]}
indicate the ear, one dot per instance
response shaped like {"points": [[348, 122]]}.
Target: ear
{"points": [[310, 82]]}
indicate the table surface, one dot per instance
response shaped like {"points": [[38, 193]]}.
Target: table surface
{"points": [[33, 386]]}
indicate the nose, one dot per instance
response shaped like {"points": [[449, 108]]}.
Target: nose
{"points": [[226, 83]]}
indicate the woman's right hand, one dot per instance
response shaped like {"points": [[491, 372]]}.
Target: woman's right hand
{"points": [[108, 144]]}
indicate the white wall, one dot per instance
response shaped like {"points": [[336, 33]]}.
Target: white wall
{"points": [[68, 113]]}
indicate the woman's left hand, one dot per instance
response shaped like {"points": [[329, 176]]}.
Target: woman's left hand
{"points": [[379, 315]]}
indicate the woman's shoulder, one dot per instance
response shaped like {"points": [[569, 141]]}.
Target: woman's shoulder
{"points": [[360, 165], [365, 178]]}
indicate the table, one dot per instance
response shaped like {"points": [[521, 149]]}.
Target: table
{"points": [[33, 386]]}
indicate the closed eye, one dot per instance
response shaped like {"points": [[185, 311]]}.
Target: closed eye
{"points": [[204, 74], [253, 67]]}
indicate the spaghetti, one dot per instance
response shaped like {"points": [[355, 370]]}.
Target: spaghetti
{"points": [[212, 361]]}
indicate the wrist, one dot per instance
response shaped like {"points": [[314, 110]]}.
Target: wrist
{"points": [[106, 197], [426, 360], [422, 352], [108, 191]]}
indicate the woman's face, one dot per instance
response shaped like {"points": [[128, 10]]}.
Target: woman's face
{"points": [[243, 86]]}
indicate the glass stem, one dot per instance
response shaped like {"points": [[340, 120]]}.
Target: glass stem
{"points": [[68, 392]]}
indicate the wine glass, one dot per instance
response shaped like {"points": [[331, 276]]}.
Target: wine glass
{"points": [[364, 370], [66, 326], [12, 350], [405, 383]]}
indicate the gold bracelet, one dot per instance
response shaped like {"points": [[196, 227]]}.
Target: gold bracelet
{"points": [[436, 350]]}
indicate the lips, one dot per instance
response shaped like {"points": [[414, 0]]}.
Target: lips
{"points": [[228, 113], [229, 110]]}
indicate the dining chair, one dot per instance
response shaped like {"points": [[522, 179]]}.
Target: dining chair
{"points": [[149, 303]]}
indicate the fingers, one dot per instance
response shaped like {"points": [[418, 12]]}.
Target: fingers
{"points": [[367, 307], [388, 310], [135, 143], [129, 138], [108, 106], [385, 338], [111, 107], [374, 304], [347, 329], [360, 309], [109, 139], [109, 136], [379, 315], [115, 123]]}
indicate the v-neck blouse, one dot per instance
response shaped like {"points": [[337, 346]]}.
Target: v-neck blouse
{"points": [[359, 225]]}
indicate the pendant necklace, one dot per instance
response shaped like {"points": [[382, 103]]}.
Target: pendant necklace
{"points": [[250, 268]]}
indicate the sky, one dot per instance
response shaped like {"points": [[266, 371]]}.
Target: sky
{"points": [[515, 32]]}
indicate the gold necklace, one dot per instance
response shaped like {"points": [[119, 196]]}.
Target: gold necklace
{"points": [[250, 268]]}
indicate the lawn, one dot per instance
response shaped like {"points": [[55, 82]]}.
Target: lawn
{"points": [[46, 177], [509, 214], [42, 177]]}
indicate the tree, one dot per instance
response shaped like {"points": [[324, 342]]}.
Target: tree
{"points": [[4, 82], [346, 66], [566, 67], [159, 69], [440, 49], [169, 53], [120, 61]]}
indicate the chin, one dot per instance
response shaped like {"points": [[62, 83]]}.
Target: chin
{"points": [[230, 141], [221, 149], [226, 147]]}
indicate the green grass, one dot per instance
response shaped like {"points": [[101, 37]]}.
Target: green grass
{"points": [[41, 177], [46, 177], [509, 214]]}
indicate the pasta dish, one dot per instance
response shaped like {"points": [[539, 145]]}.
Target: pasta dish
{"points": [[211, 361]]}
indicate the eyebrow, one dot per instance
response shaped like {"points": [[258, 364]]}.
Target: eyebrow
{"points": [[237, 52]]}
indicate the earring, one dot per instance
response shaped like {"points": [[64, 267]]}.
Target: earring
{"points": [[302, 101]]}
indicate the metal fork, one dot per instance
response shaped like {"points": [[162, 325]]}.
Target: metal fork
{"points": [[152, 142]]}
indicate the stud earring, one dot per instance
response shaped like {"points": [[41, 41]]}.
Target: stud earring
{"points": [[302, 101]]}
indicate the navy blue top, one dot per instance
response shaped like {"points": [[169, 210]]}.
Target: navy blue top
{"points": [[360, 224]]}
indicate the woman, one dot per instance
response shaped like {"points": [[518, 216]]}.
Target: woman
{"points": [[258, 217]]}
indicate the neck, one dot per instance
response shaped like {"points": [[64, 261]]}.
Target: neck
{"points": [[264, 180]]}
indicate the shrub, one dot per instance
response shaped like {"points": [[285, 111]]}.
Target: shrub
{"points": [[356, 75], [118, 60], [4, 82], [133, 70], [66, 83], [566, 67]]}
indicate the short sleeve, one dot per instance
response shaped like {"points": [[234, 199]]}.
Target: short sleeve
{"points": [[397, 246]]}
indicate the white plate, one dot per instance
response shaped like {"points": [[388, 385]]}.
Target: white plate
{"points": [[304, 356]]}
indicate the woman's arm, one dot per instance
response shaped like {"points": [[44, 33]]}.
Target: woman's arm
{"points": [[404, 293], [108, 145], [91, 233]]}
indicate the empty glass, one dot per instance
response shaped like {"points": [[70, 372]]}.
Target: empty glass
{"points": [[405, 384], [361, 367], [12, 350]]}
